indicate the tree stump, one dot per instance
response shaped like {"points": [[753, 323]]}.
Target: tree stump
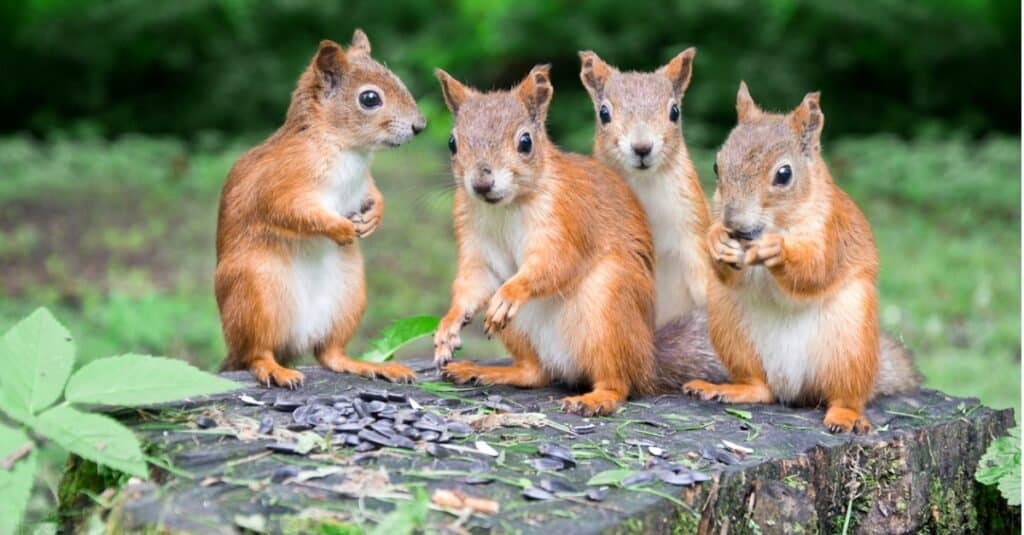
{"points": [[769, 468]]}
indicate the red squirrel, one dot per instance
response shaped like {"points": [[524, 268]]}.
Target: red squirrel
{"points": [[289, 275], [555, 249], [638, 134], [793, 305]]}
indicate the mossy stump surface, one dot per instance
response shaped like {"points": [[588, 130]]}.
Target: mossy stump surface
{"points": [[914, 472]]}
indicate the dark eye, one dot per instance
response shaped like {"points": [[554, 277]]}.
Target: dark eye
{"points": [[716, 169], [525, 143], [369, 99], [673, 114], [451, 143], [783, 176], [604, 114]]}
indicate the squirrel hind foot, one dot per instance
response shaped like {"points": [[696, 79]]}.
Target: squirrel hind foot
{"points": [[845, 420], [268, 372]]}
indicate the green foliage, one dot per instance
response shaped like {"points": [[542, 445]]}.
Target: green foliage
{"points": [[191, 65], [1001, 466], [399, 334], [406, 518], [137, 380], [610, 477], [38, 355], [15, 479]]}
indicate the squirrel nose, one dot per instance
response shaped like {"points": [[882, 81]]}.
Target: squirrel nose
{"points": [[642, 149], [418, 125], [483, 186]]}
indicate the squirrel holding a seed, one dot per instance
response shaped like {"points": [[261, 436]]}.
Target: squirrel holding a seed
{"points": [[793, 306]]}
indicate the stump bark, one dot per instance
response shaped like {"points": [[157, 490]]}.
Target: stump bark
{"points": [[913, 473]]}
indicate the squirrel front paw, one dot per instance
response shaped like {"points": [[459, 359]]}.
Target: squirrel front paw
{"points": [[725, 249], [447, 339], [343, 233], [504, 306], [368, 218], [766, 250]]}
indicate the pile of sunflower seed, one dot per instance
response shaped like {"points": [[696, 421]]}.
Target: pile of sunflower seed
{"points": [[369, 420]]}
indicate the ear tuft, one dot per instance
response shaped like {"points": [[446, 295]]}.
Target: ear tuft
{"points": [[746, 109], [807, 122], [360, 41], [454, 92], [594, 73], [535, 91], [330, 64], [680, 69]]}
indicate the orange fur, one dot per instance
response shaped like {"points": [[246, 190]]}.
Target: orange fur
{"points": [[793, 304], [552, 239], [288, 223]]}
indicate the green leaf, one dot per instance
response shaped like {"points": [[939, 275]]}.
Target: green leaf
{"points": [[93, 436], [739, 413], [610, 477], [399, 334], [406, 518], [1000, 465], [141, 380], [36, 355], [15, 482]]}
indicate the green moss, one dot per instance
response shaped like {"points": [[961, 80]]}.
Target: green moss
{"points": [[81, 479], [686, 522]]}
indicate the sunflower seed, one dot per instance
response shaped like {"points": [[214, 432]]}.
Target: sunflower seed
{"points": [[402, 442], [556, 486], [639, 478], [284, 447], [266, 425], [430, 436], [641, 442], [673, 478], [478, 479], [437, 451], [397, 397], [375, 438], [410, 432], [699, 476], [584, 429], [364, 447], [597, 494], [375, 407], [547, 464], [284, 473], [555, 451], [373, 394], [360, 408], [205, 422], [537, 493], [459, 429]]}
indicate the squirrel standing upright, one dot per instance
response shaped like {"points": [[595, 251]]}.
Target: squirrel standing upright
{"points": [[289, 272], [638, 134], [793, 308], [558, 247]]}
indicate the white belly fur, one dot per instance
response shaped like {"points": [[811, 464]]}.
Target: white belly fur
{"points": [[325, 277], [677, 289], [546, 322]]}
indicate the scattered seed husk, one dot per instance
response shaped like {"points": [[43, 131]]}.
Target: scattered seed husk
{"points": [[205, 422], [485, 448], [266, 425], [736, 448], [249, 400], [584, 429], [597, 494], [674, 478], [656, 451], [555, 451]]}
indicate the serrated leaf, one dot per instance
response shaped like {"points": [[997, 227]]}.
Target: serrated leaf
{"points": [[95, 437], [610, 477], [1000, 466], [16, 482], [141, 380], [399, 334], [36, 356], [406, 518]]}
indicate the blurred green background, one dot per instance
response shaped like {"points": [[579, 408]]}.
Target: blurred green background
{"points": [[119, 121]]}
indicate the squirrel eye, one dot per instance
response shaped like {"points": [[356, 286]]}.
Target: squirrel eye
{"points": [[525, 143], [673, 114], [369, 99], [451, 143], [783, 176], [716, 169], [604, 114]]}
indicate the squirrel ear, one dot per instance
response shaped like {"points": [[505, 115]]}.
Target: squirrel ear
{"points": [[594, 72], [678, 70], [454, 92], [807, 121], [746, 110], [330, 63], [360, 41], [535, 91]]}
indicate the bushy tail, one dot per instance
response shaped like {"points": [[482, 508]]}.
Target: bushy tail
{"points": [[683, 352], [896, 371]]}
